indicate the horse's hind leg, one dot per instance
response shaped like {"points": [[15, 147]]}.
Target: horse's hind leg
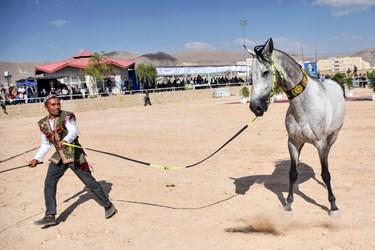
{"points": [[323, 155], [294, 152]]}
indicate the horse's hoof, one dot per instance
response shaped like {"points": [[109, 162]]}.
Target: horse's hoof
{"points": [[288, 213], [334, 214]]}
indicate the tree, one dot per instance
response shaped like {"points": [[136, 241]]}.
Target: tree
{"points": [[98, 69], [146, 75], [340, 78], [371, 77]]}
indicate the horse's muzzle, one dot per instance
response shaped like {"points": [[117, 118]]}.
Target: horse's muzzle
{"points": [[259, 107]]}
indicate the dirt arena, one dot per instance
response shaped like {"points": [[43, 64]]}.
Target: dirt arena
{"points": [[231, 201]]}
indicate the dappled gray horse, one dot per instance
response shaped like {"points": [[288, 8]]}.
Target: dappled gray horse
{"points": [[315, 114]]}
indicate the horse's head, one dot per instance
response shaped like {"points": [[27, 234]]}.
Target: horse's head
{"points": [[261, 76]]}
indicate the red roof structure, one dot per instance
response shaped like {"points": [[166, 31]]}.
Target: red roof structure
{"points": [[80, 61]]}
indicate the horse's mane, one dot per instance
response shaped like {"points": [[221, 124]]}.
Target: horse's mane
{"points": [[259, 53], [291, 58], [313, 78]]}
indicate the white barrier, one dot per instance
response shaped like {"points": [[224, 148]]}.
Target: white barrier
{"points": [[221, 92]]}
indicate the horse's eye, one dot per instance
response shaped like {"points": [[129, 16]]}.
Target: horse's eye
{"points": [[265, 73]]}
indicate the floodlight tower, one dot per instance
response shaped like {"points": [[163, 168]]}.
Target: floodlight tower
{"points": [[243, 23], [7, 77]]}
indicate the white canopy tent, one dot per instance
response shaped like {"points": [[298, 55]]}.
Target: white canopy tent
{"points": [[179, 71]]}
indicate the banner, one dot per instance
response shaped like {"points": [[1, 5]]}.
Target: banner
{"points": [[311, 68]]}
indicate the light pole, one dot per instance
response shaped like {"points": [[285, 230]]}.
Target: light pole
{"points": [[243, 23]]}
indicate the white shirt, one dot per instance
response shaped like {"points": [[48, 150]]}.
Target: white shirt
{"points": [[70, 125]]}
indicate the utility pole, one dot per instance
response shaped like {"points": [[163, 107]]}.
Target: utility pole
{"points": [[303, 58], [243, 23]]}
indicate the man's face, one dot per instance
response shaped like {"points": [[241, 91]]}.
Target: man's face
{"points": [[53, 107]]}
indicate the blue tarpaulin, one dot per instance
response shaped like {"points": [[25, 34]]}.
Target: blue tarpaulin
{"points": [[28, 82]]}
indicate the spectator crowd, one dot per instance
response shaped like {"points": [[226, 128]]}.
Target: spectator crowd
{"points": [[20, 95], [170, 82]]}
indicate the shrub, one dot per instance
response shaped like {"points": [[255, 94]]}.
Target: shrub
{"points": [[245, 92], [371, 77]]}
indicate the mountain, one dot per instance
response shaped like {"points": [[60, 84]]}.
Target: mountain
{"points": [[213, 58], [157, 59], [368, 55], [23, 70], [190, 58], [209, 58], [18, 70]]}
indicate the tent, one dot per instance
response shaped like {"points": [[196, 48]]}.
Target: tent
{"points": [[28, 82], [177, 71]]}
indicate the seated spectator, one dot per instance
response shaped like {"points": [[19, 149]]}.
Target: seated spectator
{"points": [[20, 98], [59, 91], [43, 93], [103, 92], [65, 93]]}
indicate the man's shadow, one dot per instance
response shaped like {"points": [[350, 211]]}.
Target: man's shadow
{"points": [[84, 195], [278, 182]]}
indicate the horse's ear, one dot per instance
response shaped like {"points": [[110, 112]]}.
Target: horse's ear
{"points": [[269, 47], [251, 52]]}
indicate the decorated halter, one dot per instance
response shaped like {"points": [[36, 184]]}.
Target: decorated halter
{"points": [[296, 90], [291, 93]]}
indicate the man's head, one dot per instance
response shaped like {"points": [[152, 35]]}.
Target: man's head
{"points": [[52, 105]]}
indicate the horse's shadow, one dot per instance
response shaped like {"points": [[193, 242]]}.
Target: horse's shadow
{"points": [[278, 182], [83, 196]]}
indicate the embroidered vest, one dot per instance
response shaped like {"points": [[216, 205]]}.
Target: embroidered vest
{"points": [[59, 131]]}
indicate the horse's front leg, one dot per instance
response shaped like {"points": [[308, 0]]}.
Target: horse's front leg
{"points": [[294, 152]]}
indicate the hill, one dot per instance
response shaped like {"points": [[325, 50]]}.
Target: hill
{"points": [[18, 70], [23, 70], [368, 55], [182, 58]]}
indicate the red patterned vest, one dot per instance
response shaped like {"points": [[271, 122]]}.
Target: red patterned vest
{"points": [[67, 154]]}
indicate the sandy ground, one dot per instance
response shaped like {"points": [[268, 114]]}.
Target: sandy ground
{"points": [[231, 201]]}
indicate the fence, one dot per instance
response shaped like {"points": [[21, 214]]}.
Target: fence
{"points": [[112, 101], [106, 94]]}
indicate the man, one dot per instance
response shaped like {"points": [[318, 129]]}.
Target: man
{"points": [[109, 85], [147, 99], [121, 85], [59, 128]]}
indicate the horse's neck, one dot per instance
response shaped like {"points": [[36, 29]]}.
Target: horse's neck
{"points": [[292, 75], [291, 72], [307, 101], [290, 69]]}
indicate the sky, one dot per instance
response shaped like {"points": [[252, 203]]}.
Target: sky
{"points": [[54, 30]]}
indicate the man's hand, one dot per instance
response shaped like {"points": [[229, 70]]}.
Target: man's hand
{"points": [[33, 163], [61, 144]]}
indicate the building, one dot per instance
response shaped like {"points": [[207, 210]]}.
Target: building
{"points": [[69, 73], [342, 64], [248, 63]]}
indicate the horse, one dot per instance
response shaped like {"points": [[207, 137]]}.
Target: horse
{"points": [[315, 114]]}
